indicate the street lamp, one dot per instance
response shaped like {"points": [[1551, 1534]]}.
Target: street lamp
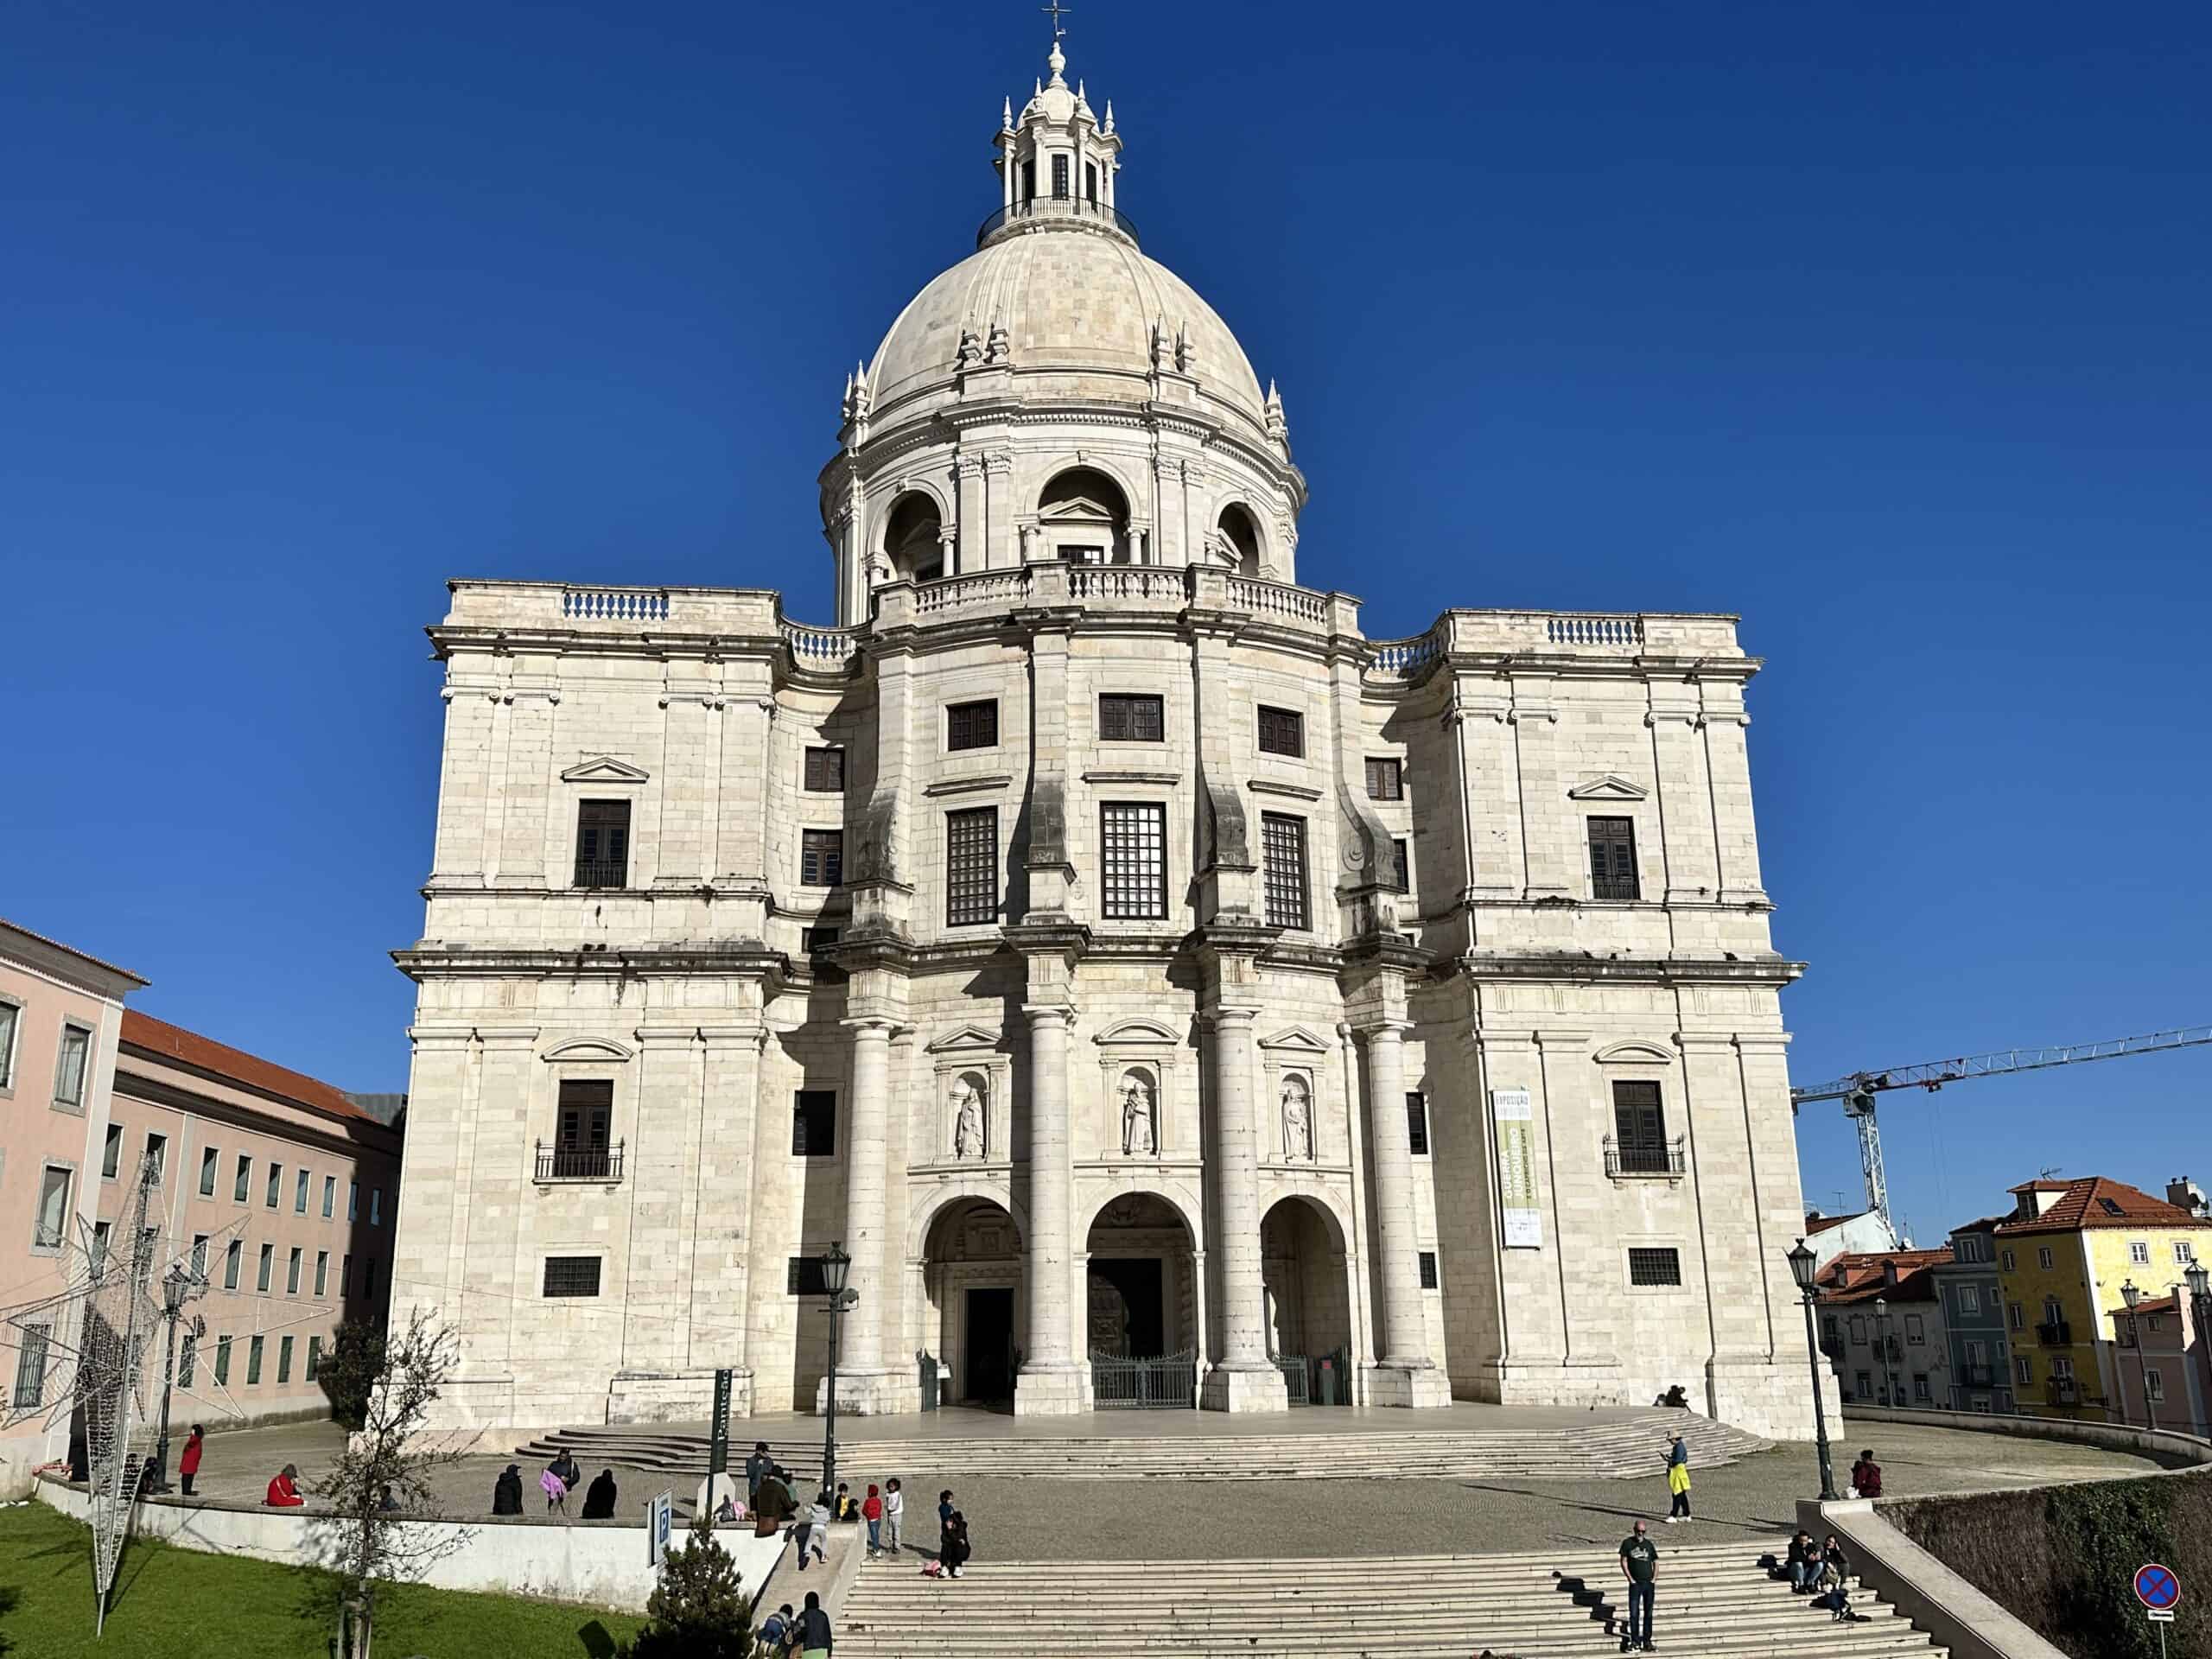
{"points": [[2129, 1294], [1882, 1342], [1804, 1268], [2200, 1304], [179, 1285], [835, 1264]]}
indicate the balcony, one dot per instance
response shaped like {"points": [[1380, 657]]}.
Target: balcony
{"points": [[601, 876], [1632, 1159], [1976, 1376], [2056, 1333], [1021, 214], [579, 1163], [2062, 1391]]}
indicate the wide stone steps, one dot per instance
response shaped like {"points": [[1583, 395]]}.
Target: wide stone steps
{"points": [[1714, 1600], [1613, 1449]]}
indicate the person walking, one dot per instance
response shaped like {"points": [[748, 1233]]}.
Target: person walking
{"points": [[599, 1498], [871, 1512], [506, 1491], [772, 1504], [564, 1465], [1640, 1561], [187, 1462], [284, 1490], [814, 1636], [758, 1468], [1866, 1475], [1678, 1480], [555, 1490], [894, 1511]]}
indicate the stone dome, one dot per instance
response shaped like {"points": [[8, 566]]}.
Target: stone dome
{"points": [[1073, 297]]}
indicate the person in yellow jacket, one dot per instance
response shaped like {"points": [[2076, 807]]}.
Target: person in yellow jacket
{"points": [[1678, 1480]]}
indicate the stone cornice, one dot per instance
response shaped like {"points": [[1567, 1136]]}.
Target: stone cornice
{"points": [[436, 961], [1773, 971]]}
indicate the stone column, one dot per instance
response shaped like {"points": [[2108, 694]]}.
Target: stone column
{"points": [[1242, 1378], [1051, 1383], [860, 1362], [1406, 1374]]}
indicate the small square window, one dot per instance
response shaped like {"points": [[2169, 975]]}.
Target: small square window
{"points": [[1428, 1270], [1417, 1124], [814, 1123], [1385, 779], [571, 1275], [822, 858], [2185, 1253], [1655, 1266], [1130, 718], [1282, 731], [602, 844], [972, 724], [825, 772]]}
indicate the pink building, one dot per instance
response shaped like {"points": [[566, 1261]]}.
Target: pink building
{"points": [[2158, 1350], [284, 1190], [60, 1014]]}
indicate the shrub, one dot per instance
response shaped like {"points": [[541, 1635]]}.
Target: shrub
{"points": [[699, 1607]]}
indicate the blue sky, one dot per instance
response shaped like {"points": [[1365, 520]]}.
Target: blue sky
{"points": [[1883, 326]]}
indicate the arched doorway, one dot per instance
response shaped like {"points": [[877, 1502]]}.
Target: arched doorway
{"points": [[1303, 1273], [1083, 517], [913, 539], [1240, 539], [971, 1276], [1142, 1306]]}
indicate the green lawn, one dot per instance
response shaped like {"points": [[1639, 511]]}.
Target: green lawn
{"points": [[179, 1604]]}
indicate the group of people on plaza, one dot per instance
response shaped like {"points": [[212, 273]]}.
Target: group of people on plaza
{"points": [[770, 1504], [562, 1476]]}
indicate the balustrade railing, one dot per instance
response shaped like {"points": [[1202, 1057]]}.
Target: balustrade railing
{"points": [[614, 604], [1037, 207], [579, 1163], [1128, 582], [958, 593], [818, 647], [1403, 658], [1593, 630], [1264, 598]]}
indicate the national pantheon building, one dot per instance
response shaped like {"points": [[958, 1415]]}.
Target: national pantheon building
{"points": [[1166, 994]]}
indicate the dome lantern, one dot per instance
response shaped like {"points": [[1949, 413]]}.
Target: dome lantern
{"points": [[1056, 160]]}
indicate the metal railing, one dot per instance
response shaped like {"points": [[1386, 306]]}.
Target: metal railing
{"points": [[601, 874], [2062, 1391], [1044, 208], [579, 1163], [2055, 1334], [1625, 1159], [1157, 1382], [1615, 887]]}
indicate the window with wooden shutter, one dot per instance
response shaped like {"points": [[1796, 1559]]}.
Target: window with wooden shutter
{"points": [[603, 844], [1132, 842], [822, 858], [1385, 779], [1282, 841], [584, 1127], [972, 724], [971, 867], [825, 772], [1613, 858], [1282, 731], [1417, 1124], [1130, 718], [1640, 1128], [814, 1123]]}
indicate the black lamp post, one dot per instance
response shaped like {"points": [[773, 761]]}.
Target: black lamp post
{"points": [[835, 1264], [2131, 1294], [1882, 1345], [1804, 1268], [2200, 1304], [179, 1287]]}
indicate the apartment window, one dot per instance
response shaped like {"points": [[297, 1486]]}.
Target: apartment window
{"points": [[2043, 1258], [275, 1185], [814, 1123], [1969, 1301], [210, 1163], [1655, 1267], [157, 1148], [369, 1277], [971, 867], [69, 1067], [329, 1194], [2154, 1386], [1428, 1270], [1915, 1331], [253, 1360], [825, 772], [1865, 1390], [583, 1127], [223, 1360], [2185, 1253], [314, 1358], [1133, 843], [11, 1019], [1417, 1124], [1385, 780], [1858, 1329], [375, 1206], [2062, 1366], [972, 724], [285, 1359], [2139, 1252], [603, 844], [187, 1362], [292, 1271], [1920, 1389], [300, 1193], [245, 1178], [571, 1275], [1282, 841], [1830, 1330], [50, 1228], [1131, 718], [1282, 731], [267, 1267], [2016, 1317], [345, 1274], [352, 1201], [1640, 1128], [2008, 1262], [1613, 858], [30, 1367], [111, 1154], [321, 1273], [822, 858], [233, 1258], [200, 1255]]}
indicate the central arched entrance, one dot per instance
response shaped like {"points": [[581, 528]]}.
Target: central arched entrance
{"points": [[971, 1278], [1142, 1305], [1308, 1290]]}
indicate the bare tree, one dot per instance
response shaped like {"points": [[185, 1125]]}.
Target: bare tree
{"points": [[380, 1486]]}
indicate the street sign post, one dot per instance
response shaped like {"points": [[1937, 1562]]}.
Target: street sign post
{"points": [[718, 1431], [2157, 1588], [660, 1523]]}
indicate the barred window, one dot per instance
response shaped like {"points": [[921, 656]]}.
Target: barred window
{"points": [[822, 858], [825, 772], [1283, 840], [1428, 1270], [1132, 838], [1417, 1124], [1613, 858], [603, 844], [571, 1275], [971, 867], [1282, 731], [1655, 1267], [1385, 779], [1132, 719], [814, 1123], [972, 724]]}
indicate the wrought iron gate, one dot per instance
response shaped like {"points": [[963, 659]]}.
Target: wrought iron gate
{"points": [[1159, 1382], [1317, 1379]]}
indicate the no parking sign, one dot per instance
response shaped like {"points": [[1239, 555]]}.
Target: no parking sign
{"points": [[2157, 1588]]}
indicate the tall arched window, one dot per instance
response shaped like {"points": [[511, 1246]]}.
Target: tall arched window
{"points": [[1083, 518], [1239, 539], [913, 540]]}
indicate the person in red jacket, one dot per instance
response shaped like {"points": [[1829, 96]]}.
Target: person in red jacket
{"points": [[871, 1512], [187, 1463], [284, 1490]]}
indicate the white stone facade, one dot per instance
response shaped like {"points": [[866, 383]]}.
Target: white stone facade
{"points": [[1166, 1113]]}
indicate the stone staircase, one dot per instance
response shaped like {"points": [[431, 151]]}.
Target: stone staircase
{"points": [[1715, 1601], [1604, 1448]]}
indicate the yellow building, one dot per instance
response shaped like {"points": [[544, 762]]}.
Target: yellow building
{"points": [[2060, 1262]]}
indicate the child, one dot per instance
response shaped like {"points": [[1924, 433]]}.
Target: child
{"points": [[871, 1512], [819, 1535], [894, 1511], [844, 1509], [774, 1630]]}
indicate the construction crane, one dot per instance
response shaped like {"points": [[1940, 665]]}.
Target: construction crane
{"points": [[1857, 1092]]}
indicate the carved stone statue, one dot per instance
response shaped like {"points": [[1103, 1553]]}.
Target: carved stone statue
{"points": [[1297, 1122], [967, 1121], [1140, 1130]]}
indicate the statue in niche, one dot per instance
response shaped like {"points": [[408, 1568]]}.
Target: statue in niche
{"points": [[1140, 1129], [967, 1121], [1297, 1122]]}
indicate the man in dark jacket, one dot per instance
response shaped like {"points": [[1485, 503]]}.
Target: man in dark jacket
{"points": [[772, 1505], [599, 1501], [813, 1629], [758, 1468], [506, 1494]]}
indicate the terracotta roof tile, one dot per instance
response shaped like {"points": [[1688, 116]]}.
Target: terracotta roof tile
{"points": [[82, 955], [2095, 1201], [169, 1042], [2163, 1304]]}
